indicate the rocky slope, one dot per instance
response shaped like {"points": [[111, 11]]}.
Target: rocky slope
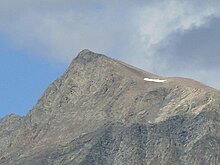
{"points": [[102, 112]]}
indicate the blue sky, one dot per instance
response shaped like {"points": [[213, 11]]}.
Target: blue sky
{"points": [[23, 79], [39, 38]]}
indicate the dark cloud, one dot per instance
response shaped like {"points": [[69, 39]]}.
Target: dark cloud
{"points": [[194, 53]]}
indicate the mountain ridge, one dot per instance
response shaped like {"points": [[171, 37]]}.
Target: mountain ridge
{"points": [[101, 111]]}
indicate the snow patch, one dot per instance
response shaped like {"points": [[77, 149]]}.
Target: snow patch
{"points": [[154, 80]]}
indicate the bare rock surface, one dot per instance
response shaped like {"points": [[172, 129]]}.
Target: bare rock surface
{"points": [[102, 112]]}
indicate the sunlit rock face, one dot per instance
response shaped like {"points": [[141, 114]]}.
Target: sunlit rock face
{"points": [[103, 111]]}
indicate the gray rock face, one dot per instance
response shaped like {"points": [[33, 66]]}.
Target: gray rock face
{"points": [[102, 112]]}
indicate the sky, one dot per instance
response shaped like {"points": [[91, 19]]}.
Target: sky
{"points": [[39, 38]]}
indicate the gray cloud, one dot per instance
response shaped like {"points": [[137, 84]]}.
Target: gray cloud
{"points": [[60, 30], [149, 34]]}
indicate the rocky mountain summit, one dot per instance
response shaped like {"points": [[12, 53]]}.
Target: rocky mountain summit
{"points": [[105, 112]]}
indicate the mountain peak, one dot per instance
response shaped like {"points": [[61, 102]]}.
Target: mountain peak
{"points": [[85, 51], [86, 56]]}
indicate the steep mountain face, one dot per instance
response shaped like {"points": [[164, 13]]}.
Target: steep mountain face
{"points": [[103, 112]]}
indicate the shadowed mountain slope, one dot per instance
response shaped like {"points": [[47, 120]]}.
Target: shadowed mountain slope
{"points": [[102, 111]]}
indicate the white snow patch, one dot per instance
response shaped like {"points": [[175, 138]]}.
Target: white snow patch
{"points": [[154, 80]]}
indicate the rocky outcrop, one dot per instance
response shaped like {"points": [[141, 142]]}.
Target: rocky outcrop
{"points": [[102, 111]]}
